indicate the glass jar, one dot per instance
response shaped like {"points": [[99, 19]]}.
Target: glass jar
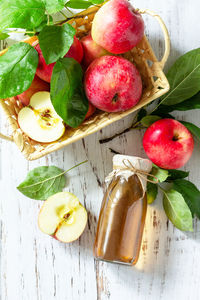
{"points": [[123, 211]]}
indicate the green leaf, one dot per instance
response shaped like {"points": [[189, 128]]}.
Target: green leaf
{"points": [[177, 210], [97, 1], [3, 36], [55, 41], [142, 113], [192, 128], [160, 174], [149, 120], [67, 94], [42, 182], [189, 104], [190, 193], [53, 6], [152, 191], [176, 174], [21, 14], [17, 69], [78, 4], [184, 78]]}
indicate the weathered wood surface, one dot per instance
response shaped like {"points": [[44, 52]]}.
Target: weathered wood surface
{"points": [[34, 266]]}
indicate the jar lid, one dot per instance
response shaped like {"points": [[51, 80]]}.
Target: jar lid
{"points": [[137, 162]]}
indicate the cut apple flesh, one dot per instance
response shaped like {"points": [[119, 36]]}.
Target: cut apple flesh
{"points": [[39, 120], [63, 217]]}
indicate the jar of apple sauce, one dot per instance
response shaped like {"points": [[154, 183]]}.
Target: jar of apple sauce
{"points": [[123, 211]]}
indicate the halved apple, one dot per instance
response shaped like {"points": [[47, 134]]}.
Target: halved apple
{"points": [[39, 120], [63, 217]]}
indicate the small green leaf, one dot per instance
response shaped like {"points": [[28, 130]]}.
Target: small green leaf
{"points": [[17, 69], [183, 77], [190, 193], [3, 36], [142, 113], [192, 128], [176, 174], [53, 6], [78, 4], [97, 1], [67, 94], [42, 182], [55, 41], [177, 210], [149, 120], [21, 14], [160, 174], [152, 191]]}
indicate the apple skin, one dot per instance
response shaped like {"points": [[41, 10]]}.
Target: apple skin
{"points": [[91, 111], [44, 71], [168, 144], [117, 26], [37, 85], [113, 84], [91, 50]]}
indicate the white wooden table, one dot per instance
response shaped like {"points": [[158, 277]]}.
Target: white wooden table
{"points": [[35, 266]]}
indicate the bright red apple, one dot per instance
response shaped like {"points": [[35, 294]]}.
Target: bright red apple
{"points": [[37, 85], [91, 50], [117, 26], [168, 144], [113, 84], [44, 71]]}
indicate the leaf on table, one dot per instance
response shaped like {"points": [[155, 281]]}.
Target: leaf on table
{"points": [[3, 36], [53, 6], [190, 193], [142, 113], [42, 182], [176, 174], [17, 64], [67, 93], [161, 174], [78, 4], [55, 41], [21, 14], [149, 120], [152, 191], [177, 210], [184, 78], [192, 128], [97, 1]]}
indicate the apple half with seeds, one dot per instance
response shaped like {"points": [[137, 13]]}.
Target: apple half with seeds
{"points": [[39, 120], [63, 217]]}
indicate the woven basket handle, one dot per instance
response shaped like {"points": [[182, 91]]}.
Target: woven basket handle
{"points": [[5, 137], [165, 31]]}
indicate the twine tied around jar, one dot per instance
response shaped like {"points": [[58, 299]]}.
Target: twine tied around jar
{"points": [[140, 173]]}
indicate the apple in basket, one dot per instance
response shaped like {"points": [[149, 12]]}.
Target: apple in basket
{"points": [[113, 84], [91, 50], [63, 217], [117, 26], [44, 71]]}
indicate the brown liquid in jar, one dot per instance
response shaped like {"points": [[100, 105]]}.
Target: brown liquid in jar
{"points": [[121, 221]]}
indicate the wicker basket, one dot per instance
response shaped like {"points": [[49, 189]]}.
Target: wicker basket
{"points": [[155, 85]]}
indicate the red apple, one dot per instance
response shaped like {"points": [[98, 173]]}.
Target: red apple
{"points": [[37, 85], [168, 144], [113, 84], [91, 50], [44, 71], [117, 26]]}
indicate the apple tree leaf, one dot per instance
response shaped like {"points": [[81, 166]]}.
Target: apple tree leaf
{"points": [[78, 4], [161, 174], [42, 182], [21, 14], [53, 6], [190, 193], [195, 130], [149, 120], [3, 36], [176, 174], [17, 69], [177, 210], [184, 78], [67, 93], [55, 41]]}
